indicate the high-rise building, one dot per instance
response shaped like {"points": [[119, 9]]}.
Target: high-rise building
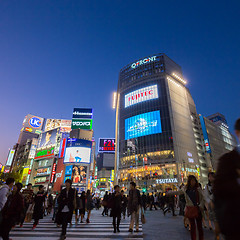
{"points": [[156, 143]]}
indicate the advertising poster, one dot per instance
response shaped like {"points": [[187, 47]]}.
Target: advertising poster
{"points": [[142, 125], [79, 174], [63, 124], [68, 172], [78, 151], [106, 145], [59, 175], [82, 113], [33, 124], [10, 157], [33, 148], [48, 138]]}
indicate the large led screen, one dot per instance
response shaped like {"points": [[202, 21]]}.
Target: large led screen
{"points": [[78, 151], [106, 145], [141, 95], [143, 124]]}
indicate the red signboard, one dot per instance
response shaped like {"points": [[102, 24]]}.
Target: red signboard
{"points": [[53, 172], [59, 175]]}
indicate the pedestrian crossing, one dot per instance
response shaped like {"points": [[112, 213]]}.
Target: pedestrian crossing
{"points": [[99, 228]]}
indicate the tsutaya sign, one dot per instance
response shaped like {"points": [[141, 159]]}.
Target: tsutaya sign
{"points": [[143, 61], [141, 95], [167, 180]]}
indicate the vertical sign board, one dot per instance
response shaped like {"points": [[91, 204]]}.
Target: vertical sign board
{"points": [[82, 118], [205, 134]]}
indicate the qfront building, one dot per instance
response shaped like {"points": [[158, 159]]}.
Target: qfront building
{"points": [[157, 144]]}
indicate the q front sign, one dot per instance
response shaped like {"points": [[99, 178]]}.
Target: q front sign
{"points": [[143, 61]]}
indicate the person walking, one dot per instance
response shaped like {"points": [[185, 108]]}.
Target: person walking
{"points": [[12, 211], [182, 202], [170, 200], [82, 205], [89, 198], [49, 203], [55, 207], [105, 204], [39, 206], [5, 190], [66, 207], [124, 204], [116, 208], [28, 199], [144, 201], [134, 203], [226, 191]]}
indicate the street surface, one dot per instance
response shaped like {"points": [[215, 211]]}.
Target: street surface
{"points": [[99, 228]]}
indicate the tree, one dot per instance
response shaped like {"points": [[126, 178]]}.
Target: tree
{"points": [[16, 175]]}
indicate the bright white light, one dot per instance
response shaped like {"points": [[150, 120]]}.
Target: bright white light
{"points": [[114, 100], [179, 78]]}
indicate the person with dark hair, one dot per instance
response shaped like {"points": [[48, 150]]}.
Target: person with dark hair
{"points": [[66, 206], [89, 206], [124, 204], [82, 205], [39, 206], [134, 204], [116, 208], [105, 203], [5, 191], [12, 211], [28, 199], [226, 191]]}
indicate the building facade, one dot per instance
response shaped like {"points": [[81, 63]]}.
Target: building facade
{"points": [[155, 138]]}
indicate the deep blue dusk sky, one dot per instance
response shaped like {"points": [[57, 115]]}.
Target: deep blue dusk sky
{"points": [[57, 55]]}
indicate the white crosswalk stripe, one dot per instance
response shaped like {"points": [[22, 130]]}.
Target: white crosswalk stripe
{"points": [[99, 228]]}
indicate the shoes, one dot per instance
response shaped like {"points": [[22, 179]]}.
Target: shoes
{"points": [[137, 230], [34, 226], [87, 221], [130, 230], [81, 221], [118, 229], [21, 225], [63, 237], [114, 231]]}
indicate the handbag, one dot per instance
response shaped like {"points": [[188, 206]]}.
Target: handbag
{"points": [[192, 212], [29, 213], [143, 219]]}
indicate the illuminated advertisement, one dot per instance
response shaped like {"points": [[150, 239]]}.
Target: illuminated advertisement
{"points": [[33, 124], [43, 171], [79, 174], [82, 124], [143, 124], [59, 175], [64, 125], [62, 147], [141, 95], [68, 172], [106, 145], [10, 157], [82, 113], [48, 138], [25, 174], [78, 151], [143, 61], [49, 152], [33, 148], [205, 134]]}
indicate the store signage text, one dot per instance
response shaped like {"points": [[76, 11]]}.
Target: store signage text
{"points": [[141, 95], [143, 61], [82, 124], [58, 175], [167, 180], [53, 172], [45, 153], [35, 122]]}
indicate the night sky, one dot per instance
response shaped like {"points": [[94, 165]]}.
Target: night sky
{"points": [[57, 55]]}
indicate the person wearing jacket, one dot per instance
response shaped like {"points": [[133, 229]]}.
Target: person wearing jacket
{"points": [[12, 211], [226, 191], [82, 205], [66, 207], [89, 198], [134, 203], [116, 208], [104, 203]]}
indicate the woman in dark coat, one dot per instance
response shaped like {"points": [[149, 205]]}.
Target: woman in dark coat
{"points": [[66, 206], [12, 211], [82, 205], [116, 208], [39, 203]]}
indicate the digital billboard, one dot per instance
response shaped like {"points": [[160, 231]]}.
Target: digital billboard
{"points": [[10, 157], [68, 172], [205, 134], [46, 153], [82, 124], [141, 95], [33, 148], [48, 138], [143, 124], [106, 145], [59, 175], [78, 151], [82, 113], [33, 123], [64, 125], [79, 174]]}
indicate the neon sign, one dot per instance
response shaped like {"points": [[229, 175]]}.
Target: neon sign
{"points": [[143, 61], [141, 95]]}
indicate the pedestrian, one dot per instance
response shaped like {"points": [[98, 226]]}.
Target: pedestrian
{"points": [[144, 201], [4, 193], [155, 202], [66, 207], [151, 200], [55, 207], [90, 206], [39, 206], [226, 191], [134, 203], [28, 200], [82, 205], [116, 208], [49, 203], [182, 202], [77, 207], [105, 204], [11, 213], [170, 200], [124, 204]]}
